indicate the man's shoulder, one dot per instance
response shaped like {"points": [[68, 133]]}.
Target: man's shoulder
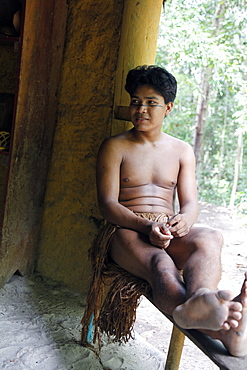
{"points": [[117, 139], [179, 143], [115, 144], [180, 148]]}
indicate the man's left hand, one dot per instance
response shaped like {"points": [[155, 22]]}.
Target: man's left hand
{"points": [[178, 225]]}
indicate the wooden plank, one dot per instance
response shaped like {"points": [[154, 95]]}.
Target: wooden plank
{"points": [[122, 113], [214, 349], [42, 52]]}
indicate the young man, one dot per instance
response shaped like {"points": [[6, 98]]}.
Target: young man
{"points": [[137, 173]]}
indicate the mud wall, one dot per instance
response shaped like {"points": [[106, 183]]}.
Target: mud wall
{"points": [[103, 41]]}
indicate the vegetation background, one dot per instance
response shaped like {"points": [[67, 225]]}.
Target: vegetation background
{"points": [[203, 43]]}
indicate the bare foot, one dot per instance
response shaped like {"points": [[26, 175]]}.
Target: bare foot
{"points": [[235, 339], [211, 310]]}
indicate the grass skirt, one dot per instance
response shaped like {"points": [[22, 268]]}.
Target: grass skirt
{"points": [[113, 313]]}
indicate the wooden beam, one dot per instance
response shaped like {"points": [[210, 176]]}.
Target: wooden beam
{"points": [[122, 113]]}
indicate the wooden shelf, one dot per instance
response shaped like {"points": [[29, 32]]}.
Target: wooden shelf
{"points": [[8, 40]]}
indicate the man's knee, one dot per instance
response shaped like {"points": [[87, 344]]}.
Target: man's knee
{"points": [[207, 237]]}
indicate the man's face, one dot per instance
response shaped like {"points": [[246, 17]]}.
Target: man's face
{"points": [[148, 108]]}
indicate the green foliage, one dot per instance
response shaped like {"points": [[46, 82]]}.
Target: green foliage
{"points": [[195, 35]]}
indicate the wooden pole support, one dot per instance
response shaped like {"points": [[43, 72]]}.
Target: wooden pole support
{"points": [[122, 113], [175, 349]]}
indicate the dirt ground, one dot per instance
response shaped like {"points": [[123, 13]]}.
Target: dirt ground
{"points": [[40, 318]]}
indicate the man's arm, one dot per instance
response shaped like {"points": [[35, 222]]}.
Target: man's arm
{"points": [[187, 194], [110, 157], [109, 161]]}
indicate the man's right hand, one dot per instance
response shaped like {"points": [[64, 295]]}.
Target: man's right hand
{"points": [[160, 235]]}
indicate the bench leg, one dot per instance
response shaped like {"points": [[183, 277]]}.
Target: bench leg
{"points": [[175, 349]]}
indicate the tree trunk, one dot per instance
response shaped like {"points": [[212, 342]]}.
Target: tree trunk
{"points": [[201, 115], [222, 148], [203, 98], [237, 167]]}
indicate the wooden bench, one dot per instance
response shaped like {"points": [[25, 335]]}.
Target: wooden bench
{"points": [[212, 348]]}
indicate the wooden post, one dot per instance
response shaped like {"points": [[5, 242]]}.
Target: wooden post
{"points": [[175, 349], [138, 44]]}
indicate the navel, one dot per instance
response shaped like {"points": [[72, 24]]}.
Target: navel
{"points": [[126, 179]]}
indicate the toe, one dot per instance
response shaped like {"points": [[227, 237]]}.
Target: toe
{"points": [[233, 323], [225, 295], [236, 315], [236, 306], [226, 326]]}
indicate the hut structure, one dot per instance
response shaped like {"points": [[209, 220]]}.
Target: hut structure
{"points": [[64, 67]]}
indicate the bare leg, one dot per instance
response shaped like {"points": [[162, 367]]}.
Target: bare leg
{"points": [[135, 254], [198, 254], [206, 307], [197, 303]]}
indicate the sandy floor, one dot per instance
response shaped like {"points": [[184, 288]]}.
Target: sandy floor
{"points": [[40, 319]]}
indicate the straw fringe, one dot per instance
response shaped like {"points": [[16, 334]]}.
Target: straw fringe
{"points": [[116, 313]]}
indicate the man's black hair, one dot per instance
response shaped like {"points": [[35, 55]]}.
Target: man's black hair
{"points": [[158, 78]]}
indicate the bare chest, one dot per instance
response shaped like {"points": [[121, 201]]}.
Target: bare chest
{"points": [[144, 167]]}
